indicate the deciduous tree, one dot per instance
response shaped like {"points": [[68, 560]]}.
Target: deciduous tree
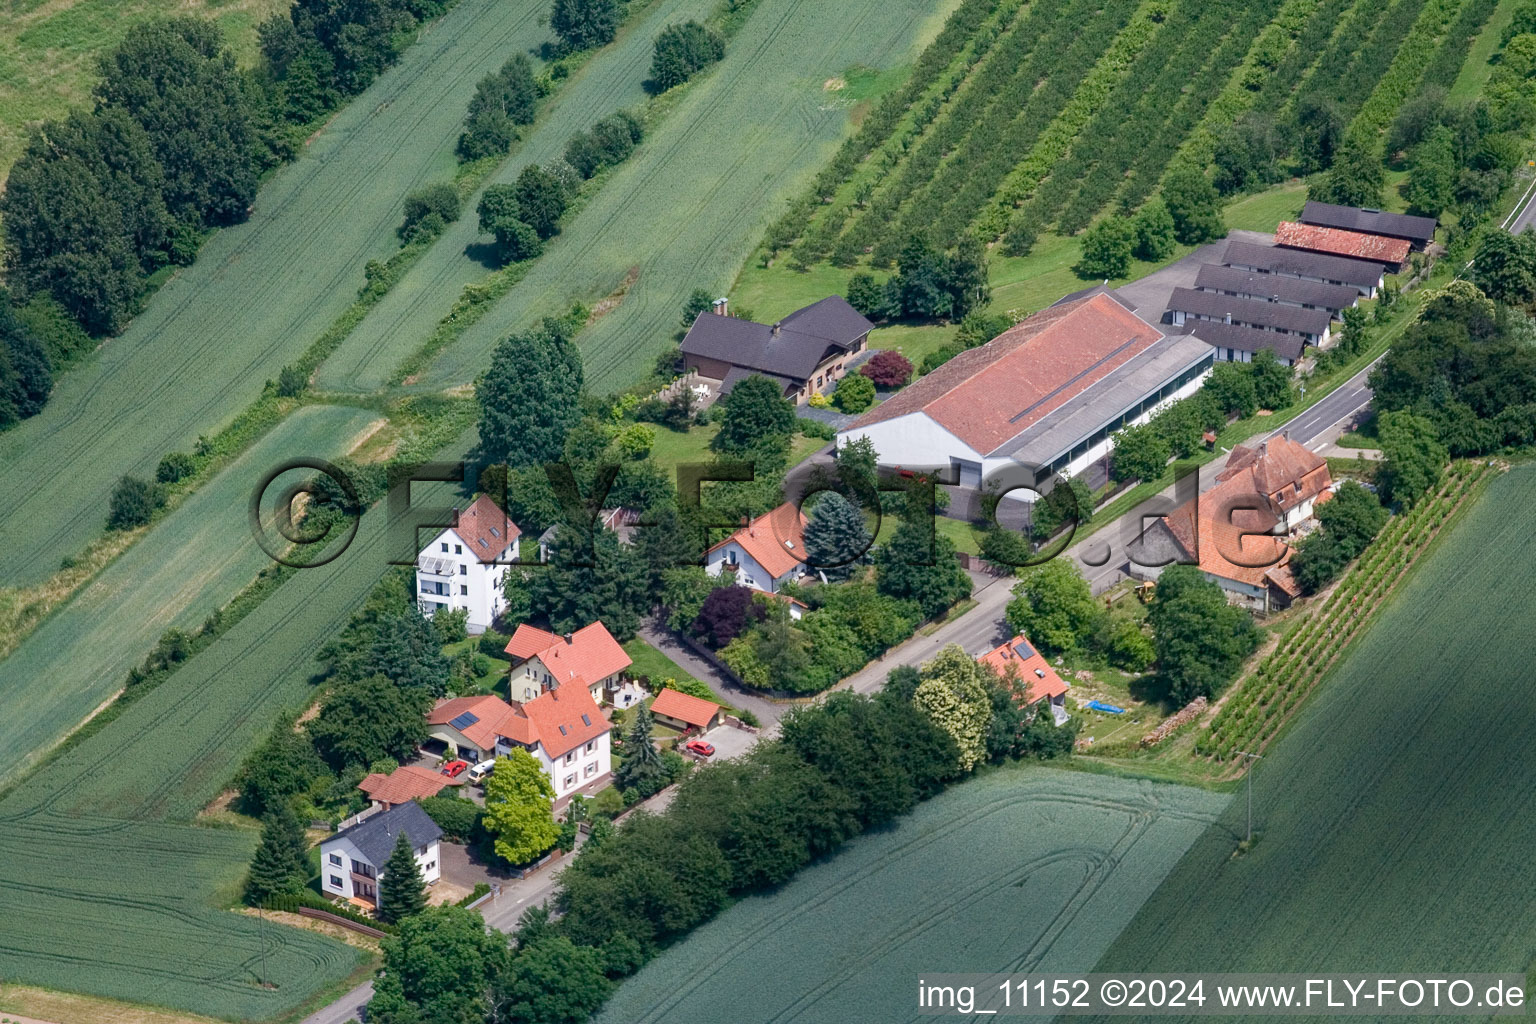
{"points": [[954, 695], [1053, 606], [530, 397], [438, 969], [518, 798]]}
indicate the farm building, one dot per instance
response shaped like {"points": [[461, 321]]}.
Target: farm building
{"points": [[562, 728], [764, 554], [1019, 657], [806, 353], [589, 657], [685, 711], [1362, 275], [1390, 252], [404, 784], [1237, 531], [1041, 398], [1416, 231], [1234, 343], [352, 861], [1187, 304], [466, 564], [1285, 291]]}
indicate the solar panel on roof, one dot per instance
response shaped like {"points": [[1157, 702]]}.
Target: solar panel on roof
{"points": [[468, 718], [586, 720], [1023, 650]]}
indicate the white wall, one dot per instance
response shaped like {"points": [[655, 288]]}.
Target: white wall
{"points": [[586, 765], [474, 585], [428, 861], [748, 573], [914, 441]]}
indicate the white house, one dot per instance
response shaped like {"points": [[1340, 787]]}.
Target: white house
{"points": [[352, 861], [1042, 398], [766, 553], [589, 657], [563, 728], [466, 564]]}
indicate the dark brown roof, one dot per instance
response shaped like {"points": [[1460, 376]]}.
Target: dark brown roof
{"points": [[1274, 288], [1275, 260], [485, 529], [790, 350], [1253, 312], [1245, 339], [1083, 293], [1375, 222], [988, 395]]}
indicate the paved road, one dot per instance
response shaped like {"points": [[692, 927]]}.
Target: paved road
{"points": [[348, 1007], [1524, 215]]}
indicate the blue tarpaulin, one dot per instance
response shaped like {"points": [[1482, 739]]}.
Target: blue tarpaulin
{"points": [[1099, 705]]}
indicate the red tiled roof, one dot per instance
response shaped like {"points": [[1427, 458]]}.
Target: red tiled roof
{"points": [[1339, 242], [684, 707], [408, 782], [592, 653], [563, 719], [985, 396], [1041, 680], [493, 717], [1278, 465], [485, 529], [775, 540]]}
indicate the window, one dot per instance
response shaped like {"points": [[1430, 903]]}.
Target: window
{"points": [[422, 852], [591, 746], [463, 589], [730, 555], [445, 545], [336, 859], [336, 882], [463, 570], [431, 864], [570, 758], [570, 780], [458, 549], [591, 769]]}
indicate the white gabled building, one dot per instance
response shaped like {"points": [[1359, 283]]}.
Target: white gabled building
{"points": [[1044, 397], [466, 565], [766, 553], [352, 861]]}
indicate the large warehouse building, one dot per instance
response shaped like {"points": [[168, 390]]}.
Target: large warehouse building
{"points": [[1046, 394]]}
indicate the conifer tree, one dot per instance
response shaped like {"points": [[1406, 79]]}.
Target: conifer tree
{"points": [[835, 536], [281, 863], [402, 892]]}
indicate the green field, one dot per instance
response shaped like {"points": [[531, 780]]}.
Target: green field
{"points": [[257, 296], [688, 208], [189, 564], [1024, 869], [48, 51], [1396, 807], [612, 80]]}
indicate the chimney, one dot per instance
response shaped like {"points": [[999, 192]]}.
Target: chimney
{"points": [[567, 638], [776, 327], [720, 306], [1228, 318]]}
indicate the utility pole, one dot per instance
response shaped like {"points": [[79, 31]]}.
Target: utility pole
{"points": [[261, 932], [1251, 758]]}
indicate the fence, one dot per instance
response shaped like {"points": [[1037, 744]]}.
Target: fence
{"points": [[337, 919]]}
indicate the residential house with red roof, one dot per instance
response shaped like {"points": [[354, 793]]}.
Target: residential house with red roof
{"points": [[1035, 679], [563, 728], [1238, 532], [404, 784], [1044, 397], [589, 657], [466, 565], [766, 553]]}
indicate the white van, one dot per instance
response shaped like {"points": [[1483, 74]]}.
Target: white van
{"points": [[481, 770]]}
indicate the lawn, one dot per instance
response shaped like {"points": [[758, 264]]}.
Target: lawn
{"points": [[612, 80], [1407, 774], [653, 664], [258, 295], [48, 52], [690, 206], [186, 566], [1023, 869], [675, 448]]}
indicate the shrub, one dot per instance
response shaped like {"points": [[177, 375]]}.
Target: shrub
{"points": [[458, 819], [855, 393], [134, 502], [173, 467], [681, 52], [815, 428], [291, 381], [888, 370], [428, 210]]}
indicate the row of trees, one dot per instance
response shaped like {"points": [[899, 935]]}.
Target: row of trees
{"points": [[842, 766], [1233, 389], [928, 284]]}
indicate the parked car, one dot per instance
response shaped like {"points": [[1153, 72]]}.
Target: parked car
{"points": [[453, 769], [701, 748], [481, 770]]}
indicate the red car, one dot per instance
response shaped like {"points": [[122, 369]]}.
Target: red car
{"points": [[701, 748], [453, 769]]}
